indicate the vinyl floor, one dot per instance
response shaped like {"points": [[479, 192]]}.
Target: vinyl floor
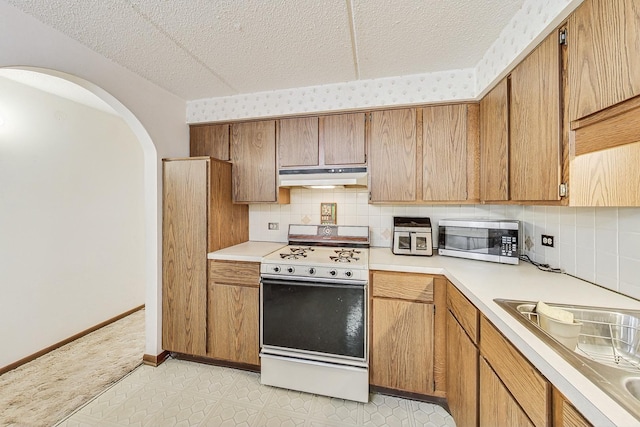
{"points": [[184, 393]]}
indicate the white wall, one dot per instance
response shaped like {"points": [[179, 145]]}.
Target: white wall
{"points": [[156, 117], [600, 245], [72, 219]]}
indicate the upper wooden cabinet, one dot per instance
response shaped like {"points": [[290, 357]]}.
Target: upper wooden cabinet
{"points": [[535, 127], [450, 153], [326, 141], [253, 154], [298, 142], [494, 144], [604, 103], [209, 140], [392, 155], [604, 57], [342, 139], [521, 131]]}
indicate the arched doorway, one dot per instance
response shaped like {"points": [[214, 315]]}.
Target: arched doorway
{"points": [[45, 228]]}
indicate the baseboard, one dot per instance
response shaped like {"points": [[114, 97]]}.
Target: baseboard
{"points": [[217, 362], [440, 401], [154, 361], [66, 341]]}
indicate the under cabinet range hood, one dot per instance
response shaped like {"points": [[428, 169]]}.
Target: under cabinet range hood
{"points": [[323, 178]]}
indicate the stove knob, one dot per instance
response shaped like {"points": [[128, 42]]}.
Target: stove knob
{"points": [[290, 270], [348, 273], [312, 270], [276, 269], [333, 272]]}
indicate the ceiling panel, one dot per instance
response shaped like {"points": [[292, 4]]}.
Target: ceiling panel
{"points": [[265, 45], [404, 37]]}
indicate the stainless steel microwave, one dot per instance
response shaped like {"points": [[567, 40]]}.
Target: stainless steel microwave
{"points": [[495, 240]]}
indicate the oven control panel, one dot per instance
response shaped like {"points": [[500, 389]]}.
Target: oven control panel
{"points": [[343, 273]]}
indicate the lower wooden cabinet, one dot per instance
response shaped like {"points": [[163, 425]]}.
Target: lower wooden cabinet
{"points": [[564, 414], [497, 407], [407, 350], [462, 375], [233, 311]]}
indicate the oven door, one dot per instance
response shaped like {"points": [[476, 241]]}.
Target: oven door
{"points": [[317, 320]]}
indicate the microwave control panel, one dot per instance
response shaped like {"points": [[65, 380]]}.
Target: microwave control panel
{"points": [[509, 246]]}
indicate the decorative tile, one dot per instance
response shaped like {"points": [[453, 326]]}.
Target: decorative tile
{"points": [[273, 419], [81, 420], [290, 401], [184, 411], [386, 411], [428, 414], [333, 409], [108, 401], [213, 382], [247, 389], [142, 406], [232, 415]]}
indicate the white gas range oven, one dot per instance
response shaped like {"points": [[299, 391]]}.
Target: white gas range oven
{"points": [[313, 312]]}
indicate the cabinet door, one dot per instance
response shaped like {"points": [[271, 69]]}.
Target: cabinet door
{"points": [[298, 142], [342, 138], [494, 140], [604, 55], [462, 375], [392, 155], [253, 154], [209, 140], [184, 256], [564, 414], [234, 323], [402, 347], [497, 407], [535, 131], [449, 153]]}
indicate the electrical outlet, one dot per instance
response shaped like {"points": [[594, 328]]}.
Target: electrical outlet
{"points": [[547, 240], [274, 226]]}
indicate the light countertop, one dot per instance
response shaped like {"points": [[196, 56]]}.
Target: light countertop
{"points": [[482, 282], [248, 251]]}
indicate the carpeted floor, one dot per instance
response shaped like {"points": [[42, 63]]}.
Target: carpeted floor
{"points": [[46, 390]]}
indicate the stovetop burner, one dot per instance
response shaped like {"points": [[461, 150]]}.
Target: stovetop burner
{"points": [[296, 253], [345, 255]]}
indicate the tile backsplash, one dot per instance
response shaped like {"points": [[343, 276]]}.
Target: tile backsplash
{"points": [[600, 245]]}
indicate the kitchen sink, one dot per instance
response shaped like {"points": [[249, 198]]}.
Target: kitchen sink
{"points": [[608, 349]]}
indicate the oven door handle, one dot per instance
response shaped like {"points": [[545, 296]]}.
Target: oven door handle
{"points": [[312, 283]]}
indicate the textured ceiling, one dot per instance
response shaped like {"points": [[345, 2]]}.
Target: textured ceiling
{"points": [[206, 49]]}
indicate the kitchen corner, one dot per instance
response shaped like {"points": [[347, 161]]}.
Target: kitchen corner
{"points": [[482, 282]]}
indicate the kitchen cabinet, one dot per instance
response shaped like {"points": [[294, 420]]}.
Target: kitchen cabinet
{"points": [[564, 414], [209, 140], [604, 103], [253, 154], [535, 125], [408, 333], [232, 311], [322, 142], [494, 144], [392, 156], [198, 217], [462, 358], [604, 60], [522, 382], [497, 407], [450, 153], [521, 131]]}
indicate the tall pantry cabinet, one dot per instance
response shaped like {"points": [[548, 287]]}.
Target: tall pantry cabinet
{"points": [[198, 217]]}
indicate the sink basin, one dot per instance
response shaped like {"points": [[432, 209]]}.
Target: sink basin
{"points": [[608, 348]]}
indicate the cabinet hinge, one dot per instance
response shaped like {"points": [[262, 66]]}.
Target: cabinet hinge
{"points": [[563, 37], [563, 190], [369, 195]]}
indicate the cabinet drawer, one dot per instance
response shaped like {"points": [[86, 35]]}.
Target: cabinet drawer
{"points": [[530, 389], [465, 312], [234, 272], [412, 287]]}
